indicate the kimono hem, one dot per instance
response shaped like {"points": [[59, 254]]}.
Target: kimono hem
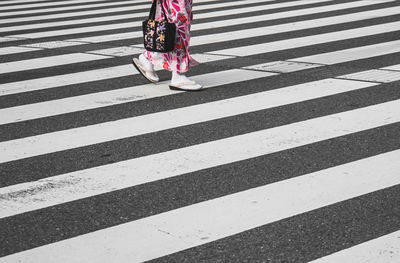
{"points": [[179, 60]]}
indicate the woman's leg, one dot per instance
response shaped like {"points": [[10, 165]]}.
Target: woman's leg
{"points": [[181, 11], [179, 60]]}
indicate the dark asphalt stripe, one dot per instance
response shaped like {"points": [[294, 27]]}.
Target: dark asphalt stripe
{"points": [[322, 48], [130, 4], [278, 55], [274, 21], [75, 218], [311, 31], [97, 2], [313, 16], [99, 8], [42, 166], [75, 25], [21, 42], [24, 3], [102, 14], [46, 53], [307, 236], [285, 35], [113, 43], [72, 4], [129, 81]]}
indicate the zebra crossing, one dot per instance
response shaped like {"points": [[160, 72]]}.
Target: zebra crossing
{"points": [[290, 153]]}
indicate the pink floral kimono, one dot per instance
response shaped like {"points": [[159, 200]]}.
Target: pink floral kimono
{"points": [[179, 60]]}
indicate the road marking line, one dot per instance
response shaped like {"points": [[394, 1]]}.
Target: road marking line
{"points": [[136, 93], [126, 70], [116, 17], [47, 4], [350, 54], [52, 61], [238, 21], [75, 14], [119, 96], [383, 249], [394, 67], [20, 1], [312, 40], [67, 8], [283, 66], [215, 38], [160, 235], [144, 14], [80, 184], [374, 75], [226, 22], [14, 50]]}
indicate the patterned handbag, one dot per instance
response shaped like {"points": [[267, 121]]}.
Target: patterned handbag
{"points": [[159, 36]]}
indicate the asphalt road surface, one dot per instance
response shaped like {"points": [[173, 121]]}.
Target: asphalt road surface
{"points": [[291, 153]]}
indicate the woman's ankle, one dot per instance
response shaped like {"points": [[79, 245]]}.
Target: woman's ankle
{"points": [[146, 63], [176, 77]]}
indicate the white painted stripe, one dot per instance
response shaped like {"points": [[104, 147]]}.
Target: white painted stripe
{"points": [[274, 29], [144, 14], [130, 94], [342, 56], [374, 75], [268, 30], [72, 22], [312, 40], [101, 74], [119, 96], [39, 18], [229, 36], [83, 77], [13, 50], [283, 66], [210, 80], [264, 31], [308, 23], [66, 8], [176, 230], [21, 1], [125, 70], [66, 79], [55, 44], [48, 4], [117, 17], [394, 67], [47, 62], [237, 21], [383, 249], [75, 14], [260, 8], [331, 58], [6, 39], [11, 2], [67, 187], [118, 51]]}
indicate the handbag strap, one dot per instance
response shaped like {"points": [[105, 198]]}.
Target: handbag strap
{"points": [[152, 14]]}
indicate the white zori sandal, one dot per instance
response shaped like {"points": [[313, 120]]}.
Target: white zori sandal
{"points": [[147, 71], [188, 86], [181, 82]]}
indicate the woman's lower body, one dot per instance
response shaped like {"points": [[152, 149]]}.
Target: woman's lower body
{"points": [[179, 60]]}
